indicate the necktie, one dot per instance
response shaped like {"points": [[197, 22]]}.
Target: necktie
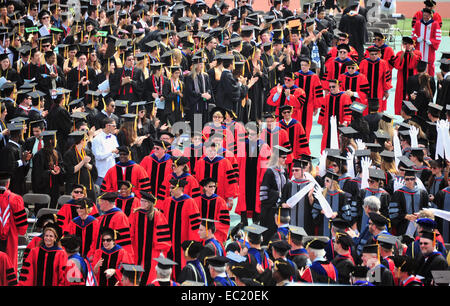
{"points": [[39, 144], [108, 136]]}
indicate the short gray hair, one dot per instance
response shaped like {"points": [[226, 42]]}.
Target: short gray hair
{"points": [[372, 203], [163, 273]]}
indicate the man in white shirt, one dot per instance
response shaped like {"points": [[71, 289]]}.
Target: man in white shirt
{"points": [[104, 148]]}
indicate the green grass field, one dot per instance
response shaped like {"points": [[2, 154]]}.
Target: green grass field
{"points": [[405, 26]]}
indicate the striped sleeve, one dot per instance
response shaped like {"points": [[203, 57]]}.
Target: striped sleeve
{"points": [[194, 221], [163, 233]]}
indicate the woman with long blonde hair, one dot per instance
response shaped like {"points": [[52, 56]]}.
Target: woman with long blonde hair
{"points": [[338, 200]]}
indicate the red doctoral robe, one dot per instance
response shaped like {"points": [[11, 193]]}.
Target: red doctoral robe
{"points": [[334, 105], [379, 77], [87, 230], [220, 169], [297, 137], [430, 39], [387, 53], [112, 259], [333, 69], [69, 211], [44, 267], [254, 162], [296, 99], [356, 82], [128, 204], [192, 188], [183, 217], [312, 86], [406, 67], [149, 238], [117, 220], [157, 171], [215, 208], [130, 171], [13, 222], [8, 276]]}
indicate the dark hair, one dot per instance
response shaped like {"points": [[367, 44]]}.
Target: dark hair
{"points": [[108, 121]]}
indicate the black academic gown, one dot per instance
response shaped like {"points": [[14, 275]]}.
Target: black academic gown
{"points": [[229, 92], [58, 119], [84, 176], [45, 81], [131, 92], [356, 27], [43, 181], [78, 90], [194, 102], [270, 191], [405, 201], [256, 93], [10, 156], [434, 262]]}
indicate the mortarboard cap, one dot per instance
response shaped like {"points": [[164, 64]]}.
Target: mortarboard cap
{"points": [[217, 261], [109, 196], [165, 263], [387, 241], [316, 242], [378, 219]]}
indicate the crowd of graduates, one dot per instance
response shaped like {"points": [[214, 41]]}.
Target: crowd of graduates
{"points": [[160, 120]]}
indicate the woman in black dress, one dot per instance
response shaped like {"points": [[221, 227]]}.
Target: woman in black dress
{"points": [[48, 173]]}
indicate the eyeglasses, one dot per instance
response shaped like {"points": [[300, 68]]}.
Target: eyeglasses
{"points": [[333, 86], [212, 186], [296, 170], [45, 17], [351, 67], [45, 46], [377, 39], [342, 51], [286, 112], [78, 191], [107, 239], [423, 243], [410, 178], [217, 117]]}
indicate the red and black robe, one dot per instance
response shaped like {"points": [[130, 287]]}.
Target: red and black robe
{"points": [[69, 211], [117, 220], [356, 82], [150, 238], [8, 276], [297, 137], [312, 86], [251, 171], [215, 208], [128, 204], [13, 222], [379, 76], [158, 170], [194, 153], [183, 217], [87, 231], [44, 267], [131, 172], [296, 99], [333, 69], [221, 170], [192, 188], [334, 105], [406, 67], [112, 259]]}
